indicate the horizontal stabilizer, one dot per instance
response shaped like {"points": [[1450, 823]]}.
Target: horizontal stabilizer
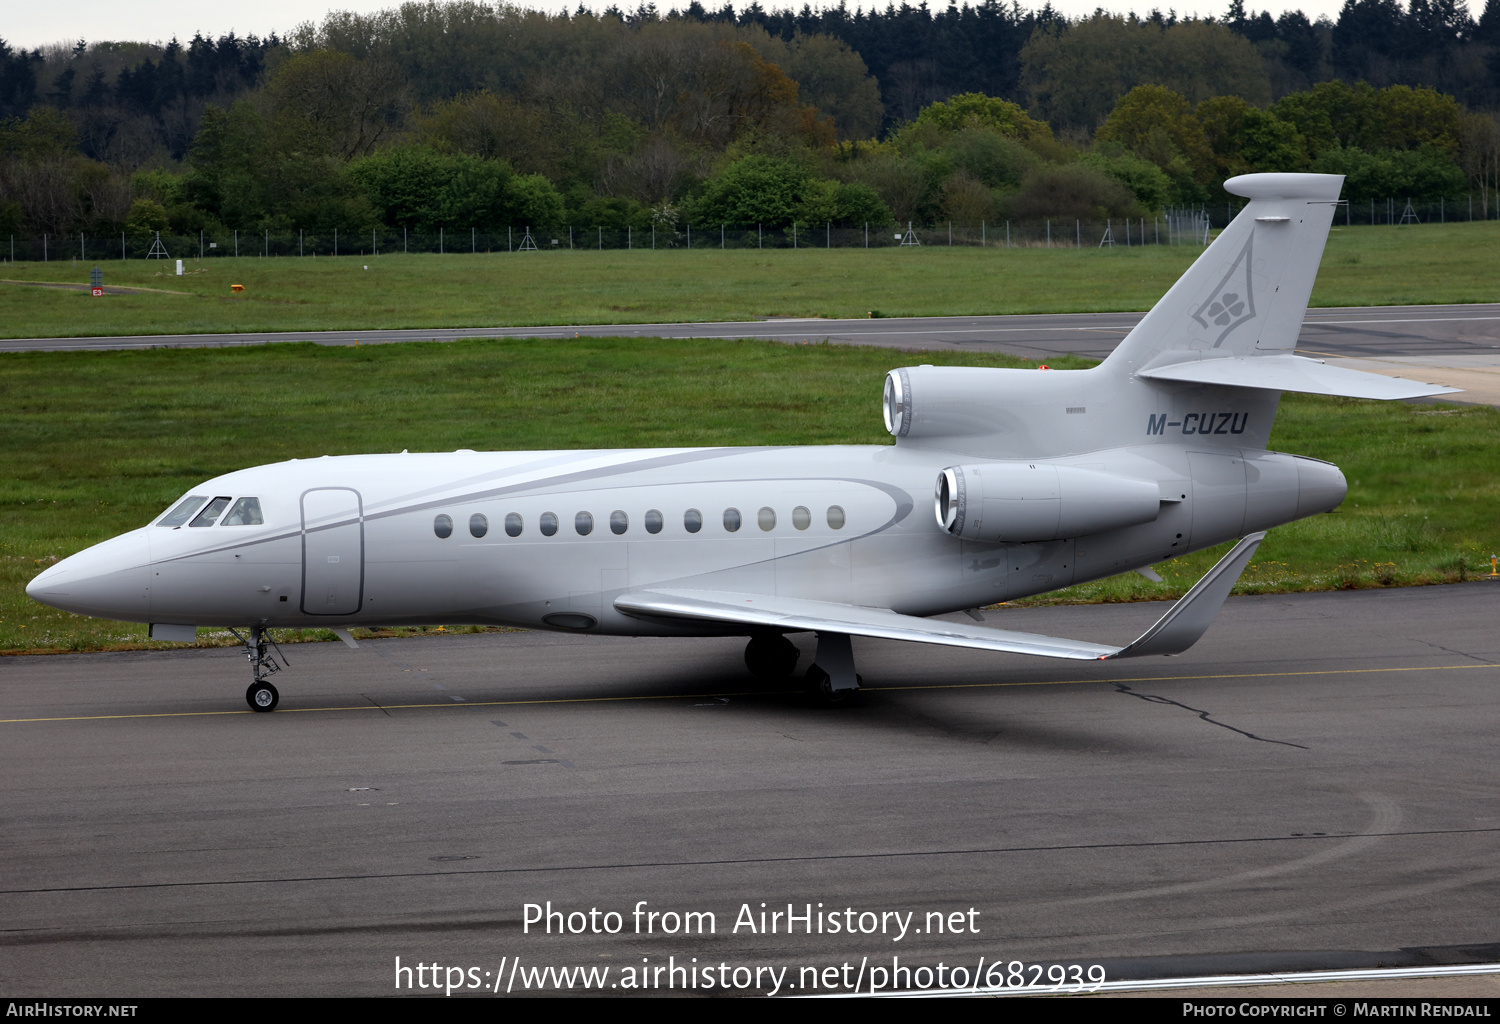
{"points": [[1293, 373], [1174, 633]]}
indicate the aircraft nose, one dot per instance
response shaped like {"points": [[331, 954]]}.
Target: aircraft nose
{"points": [[110, 580]]}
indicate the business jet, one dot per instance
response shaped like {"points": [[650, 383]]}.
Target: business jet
{"points": [[1000, 483]]}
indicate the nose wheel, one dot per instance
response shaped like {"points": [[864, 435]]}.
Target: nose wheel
{"points": [[262, 696]]}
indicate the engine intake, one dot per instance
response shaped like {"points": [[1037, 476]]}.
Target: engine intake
{"points": [[1023, 502]]}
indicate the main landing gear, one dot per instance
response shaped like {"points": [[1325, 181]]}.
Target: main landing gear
{"points": [[830, 680], [261, 696]]}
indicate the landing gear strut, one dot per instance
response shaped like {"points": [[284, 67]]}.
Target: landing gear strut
{"points": [[831, 679], [261, 696], [771, 657]]}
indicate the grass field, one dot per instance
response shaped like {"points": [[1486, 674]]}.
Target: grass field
{"points": [[96, 443], [1362, 266]]}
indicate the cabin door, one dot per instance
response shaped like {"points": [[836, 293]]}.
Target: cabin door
{"points": [[333, 551]]}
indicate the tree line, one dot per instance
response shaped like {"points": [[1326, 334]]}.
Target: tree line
{"points": [[465, 115]]}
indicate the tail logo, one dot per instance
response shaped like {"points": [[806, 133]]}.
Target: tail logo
{"points": [[1226, 308]]}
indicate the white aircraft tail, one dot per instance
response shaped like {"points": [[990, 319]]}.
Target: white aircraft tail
{"points": [[1247, 294], [1234, 318]]}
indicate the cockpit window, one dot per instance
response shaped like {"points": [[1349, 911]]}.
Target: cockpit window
{"points": [[209, 514], [246, 512], [184, 510]]}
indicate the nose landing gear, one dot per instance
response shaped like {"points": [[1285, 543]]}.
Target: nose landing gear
{"points": [[261, 696]]}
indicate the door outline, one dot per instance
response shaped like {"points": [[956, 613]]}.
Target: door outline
{"points": [[359, 504]]}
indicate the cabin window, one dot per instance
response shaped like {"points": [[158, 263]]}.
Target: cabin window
{"points": [[547, 523], [583, 522], [801, 517], [246, 512], [653, 521], [732, 519], [766, 519], [835, 517], [513, 524], [209, 514], [692, 520], [442, 526], [184, 510], [619, 522], [478, 525]]}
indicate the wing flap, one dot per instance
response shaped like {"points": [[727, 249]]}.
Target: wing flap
{"points": [[1294, 373], [1173, 633], [798, 615]]}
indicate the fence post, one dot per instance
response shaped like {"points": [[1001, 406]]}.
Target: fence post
{"points": [[403, 238], [81, 254], [601, 238], [981, 235], [760, 238], [1007, 234], [570, 238], [653, 236], [721, 237], [794, 234], [44, 247], [828, 234], [237, 242], [629, 237], [1049, 232], [1077, 233], [867, 234]]}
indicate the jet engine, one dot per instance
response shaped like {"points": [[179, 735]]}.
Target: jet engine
{"points": [[1023, 502]]}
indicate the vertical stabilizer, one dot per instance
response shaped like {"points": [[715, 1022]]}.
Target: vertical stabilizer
{"points": [[1247, 294]]}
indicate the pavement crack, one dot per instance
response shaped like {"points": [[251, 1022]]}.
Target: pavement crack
{"points": [[1152, 698], [1461, 654], [377, 704]]}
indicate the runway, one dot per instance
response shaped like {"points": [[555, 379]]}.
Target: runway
{"points": [[1354, 332], [1313, 786], [1456, 345]]}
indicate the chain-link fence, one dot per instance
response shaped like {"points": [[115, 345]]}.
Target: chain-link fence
{"points": [[1178, 226]]}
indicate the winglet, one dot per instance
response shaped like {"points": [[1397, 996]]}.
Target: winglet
{"points": [[1188, 619]]}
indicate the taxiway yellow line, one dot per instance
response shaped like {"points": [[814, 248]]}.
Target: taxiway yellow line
{"points": [[759, 693]]}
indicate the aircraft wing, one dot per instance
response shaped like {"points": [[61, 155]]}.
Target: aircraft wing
{"points": [[1294, 373], [1173, 633]]}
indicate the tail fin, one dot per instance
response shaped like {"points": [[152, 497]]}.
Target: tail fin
{"points": [[1247, 294]]}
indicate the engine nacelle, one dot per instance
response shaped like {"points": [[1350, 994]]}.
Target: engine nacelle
{"points": [[1018, 502]]}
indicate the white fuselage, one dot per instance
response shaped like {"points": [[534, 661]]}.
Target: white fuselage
{"points": [[354, 540]]}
